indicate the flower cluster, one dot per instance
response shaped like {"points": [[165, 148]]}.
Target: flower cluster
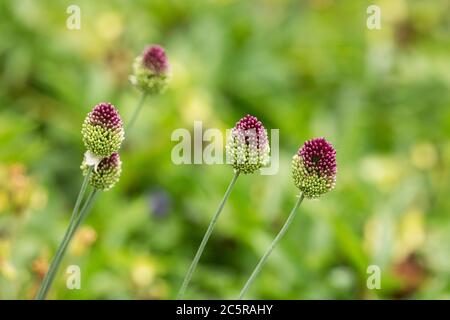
{"points": [[103, 135], [151, 70], [107, 173], [102, 130], [314, 168], [248, 147]]}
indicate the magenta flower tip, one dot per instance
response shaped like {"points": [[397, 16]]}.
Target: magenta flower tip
{"points": [[154, 58], [249, 122], [248, 146], [319, 156], [106, 115]]}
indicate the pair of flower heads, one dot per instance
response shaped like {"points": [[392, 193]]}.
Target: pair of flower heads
{"points": [[103, 129], [103, 133], [313, 171], [313, 166]]}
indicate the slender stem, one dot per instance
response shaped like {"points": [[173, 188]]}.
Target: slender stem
{"points": [[76, 218], [86, 209], [136, 111], [82, 191], [200, 249], [271, 247], [75, 221], [54, 265]]}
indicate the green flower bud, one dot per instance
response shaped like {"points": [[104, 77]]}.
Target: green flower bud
{"points": [[106, 174], [151, 70], [102, 130], [248, 147]]}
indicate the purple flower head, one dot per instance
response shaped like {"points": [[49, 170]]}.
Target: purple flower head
{"points": [[314, 168], [102, 130], [151, 70], [319, 156], [107, 173], [154, 57], [105, 115], [248, 147]]}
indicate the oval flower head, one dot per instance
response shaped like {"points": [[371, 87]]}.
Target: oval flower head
{"points": [[248, 146], [102, 131], [107, 173], [151, 70], [314, 168]]}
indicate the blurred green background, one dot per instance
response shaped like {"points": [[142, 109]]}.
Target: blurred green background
{"points": [[309, 68]]}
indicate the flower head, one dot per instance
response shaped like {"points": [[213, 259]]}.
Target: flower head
{"points": [[107, 173], [314, 168], [102, 130], [151, 70], [248, 146]]}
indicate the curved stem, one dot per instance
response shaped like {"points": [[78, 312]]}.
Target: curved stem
{"points": [[271, 247], [75, 221], [136, 111], [200, 249]]}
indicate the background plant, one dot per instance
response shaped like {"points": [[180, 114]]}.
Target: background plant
{"points": [[382, 95]]}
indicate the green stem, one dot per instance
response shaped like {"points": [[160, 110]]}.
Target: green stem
{"points": [[75, 221], [82, 191], [136, 111], [86, 209], [49, 275], [76, 218], [200, 249], [271, 247]]}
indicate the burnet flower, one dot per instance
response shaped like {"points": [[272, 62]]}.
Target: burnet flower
{"points": [[151, 70], [314, 168], [102, 132], [314, 172], [247, 151], [248, 146], [107, 173]]}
